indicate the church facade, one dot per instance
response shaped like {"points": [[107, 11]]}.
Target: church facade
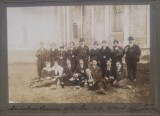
{"points": [[27, 27]]}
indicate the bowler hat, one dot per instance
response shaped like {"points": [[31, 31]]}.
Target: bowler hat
{"points": [[130, 38], [81, 39]]}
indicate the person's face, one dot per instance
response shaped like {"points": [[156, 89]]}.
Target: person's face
{"points": [[104, 44], [118, 65], [94, 46], [130, 41], [68, 62], [108, 63], [94, 62], [88, 72], [116, 44], [48, 64], [82, 43], [56, 64], [81, 62]]}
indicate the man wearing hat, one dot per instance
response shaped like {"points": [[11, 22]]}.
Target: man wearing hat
{"points": [[104, 54], [117, 53], [94, 52], [83, 52], [133, 53]]}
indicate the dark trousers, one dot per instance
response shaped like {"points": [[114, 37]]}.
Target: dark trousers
{"points": [[131, 70]]}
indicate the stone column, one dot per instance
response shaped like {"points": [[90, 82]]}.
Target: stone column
{"points": [[107, 22], [126, 24]]}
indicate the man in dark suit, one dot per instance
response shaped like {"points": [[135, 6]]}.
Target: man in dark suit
{"points": [[71, 54], [117, 53], [109, 72], [94, 53], [42, 57], [80, 72], [120, 79], [133, 53], [94, 78], [83, 52], [62, 56], [53, 53], [69, 71], [104, 53]]}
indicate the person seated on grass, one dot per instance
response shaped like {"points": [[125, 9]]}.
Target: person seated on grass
{"points": [[57, 72], [79, 75], [109, 72], [120, 77], [94, 80], [55, 78], [46, 75], [69, 71]]}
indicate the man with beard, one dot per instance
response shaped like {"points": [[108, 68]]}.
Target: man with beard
{"points": [[42, 57], [133, 53], [104, 54], [83, 52]]}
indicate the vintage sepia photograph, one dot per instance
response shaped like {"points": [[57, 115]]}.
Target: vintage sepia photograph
{"points": [[79, 54]]}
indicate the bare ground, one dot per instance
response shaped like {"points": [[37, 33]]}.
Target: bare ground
{"points": [[21, 75]]}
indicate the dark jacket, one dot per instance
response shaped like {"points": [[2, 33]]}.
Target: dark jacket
{"points": [[132, 53], [96, 73], [53, 55], [104, 54], [62, 58], [108, 73], [94, 54], [71, 54], [81, 70], [117, 54], [42, 57], [69, 72], [119, 75], [82, 52]]}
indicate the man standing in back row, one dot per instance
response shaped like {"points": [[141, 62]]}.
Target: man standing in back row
{"points": [[105, 54], [83, 52], [133, 53]]}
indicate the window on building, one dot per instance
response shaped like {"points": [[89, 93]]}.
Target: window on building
{"points": [[117, 13]]}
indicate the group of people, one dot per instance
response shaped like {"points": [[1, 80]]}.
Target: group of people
{"points": [[80, 67]]}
